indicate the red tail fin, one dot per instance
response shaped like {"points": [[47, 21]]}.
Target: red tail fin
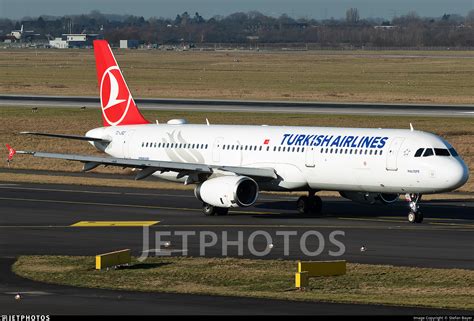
{"points": [[11, 152], [118, 106]]}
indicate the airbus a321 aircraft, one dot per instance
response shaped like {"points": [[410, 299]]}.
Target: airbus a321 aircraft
{"points": [[230, 164]]}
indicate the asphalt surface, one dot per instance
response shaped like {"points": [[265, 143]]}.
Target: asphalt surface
{"points": [[37, 219], [249, 106]]}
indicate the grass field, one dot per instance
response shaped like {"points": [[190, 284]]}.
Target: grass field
{"points": [[379, 284], [354, 76], [458, 131]]}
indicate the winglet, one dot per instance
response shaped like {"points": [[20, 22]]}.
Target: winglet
{"points": [[11, 152]]}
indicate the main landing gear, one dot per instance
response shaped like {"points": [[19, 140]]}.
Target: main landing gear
{"points": [[210, 210], [415, 215], [311, 204]]}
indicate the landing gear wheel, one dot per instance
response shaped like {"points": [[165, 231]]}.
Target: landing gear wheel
{"points": [[316, 204], [415, 217], [309, 205], [208, 209], [302, 205], [418, 217], [222, 211]]}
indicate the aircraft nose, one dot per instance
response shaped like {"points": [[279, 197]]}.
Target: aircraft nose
{"points": [[458, 174]]}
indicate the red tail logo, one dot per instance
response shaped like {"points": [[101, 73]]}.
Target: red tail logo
{"points": [[11, 152], [118, 106]]}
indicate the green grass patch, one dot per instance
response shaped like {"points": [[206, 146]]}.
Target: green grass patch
{"points": [[375, 76], [377, 284]]}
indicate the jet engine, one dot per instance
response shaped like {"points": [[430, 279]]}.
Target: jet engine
{"points": [[228, 191], [370, 198]]}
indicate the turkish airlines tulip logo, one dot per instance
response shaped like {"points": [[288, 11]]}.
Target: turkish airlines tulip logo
{"points": [[114, 96]]}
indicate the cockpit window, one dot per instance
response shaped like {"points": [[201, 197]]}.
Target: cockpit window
{"points": [[453, 152], [419, 152], [428, 152], [441, 152]]}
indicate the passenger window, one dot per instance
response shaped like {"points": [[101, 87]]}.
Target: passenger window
{"points": [[441, 152], [428, 152]]}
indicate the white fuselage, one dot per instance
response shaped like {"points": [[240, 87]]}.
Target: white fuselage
{"points": [[305, 158]]}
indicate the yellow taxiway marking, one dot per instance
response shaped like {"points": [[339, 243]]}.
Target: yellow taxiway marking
{"points": [[270, 227], [98, 204], [370, 219], [468, 226], [114, 223], [122, 205]]}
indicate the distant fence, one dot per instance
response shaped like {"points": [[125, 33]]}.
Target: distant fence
{"points": [[314, 46], [269, 46]]}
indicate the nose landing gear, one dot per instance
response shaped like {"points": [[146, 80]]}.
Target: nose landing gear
{"points": [[415, 215]]}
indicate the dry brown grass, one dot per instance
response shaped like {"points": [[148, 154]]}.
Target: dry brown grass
{"points": [[363, 283], [409, 77], [458, 131]]}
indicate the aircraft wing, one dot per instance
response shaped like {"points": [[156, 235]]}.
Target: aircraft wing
{"points": [[148, 167]]}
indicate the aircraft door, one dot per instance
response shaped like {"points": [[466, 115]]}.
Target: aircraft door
{"points": [[127, 146], [309, 156], [393, 154], [216, 149]]}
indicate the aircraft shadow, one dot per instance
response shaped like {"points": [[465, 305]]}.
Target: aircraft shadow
{"points": [[431, 209]]}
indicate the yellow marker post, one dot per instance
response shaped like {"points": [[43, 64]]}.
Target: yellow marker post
{"points": [[301, 279], [111, 259]]}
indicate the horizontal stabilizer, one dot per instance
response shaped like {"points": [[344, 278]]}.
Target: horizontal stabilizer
{"points": [[76, 137]]}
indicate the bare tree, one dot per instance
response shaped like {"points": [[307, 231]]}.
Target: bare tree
{"points": [[352, 16]]}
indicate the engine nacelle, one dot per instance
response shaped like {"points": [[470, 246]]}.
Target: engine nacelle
{"points": [[228, 191], [370, 198], [388, 198]]}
